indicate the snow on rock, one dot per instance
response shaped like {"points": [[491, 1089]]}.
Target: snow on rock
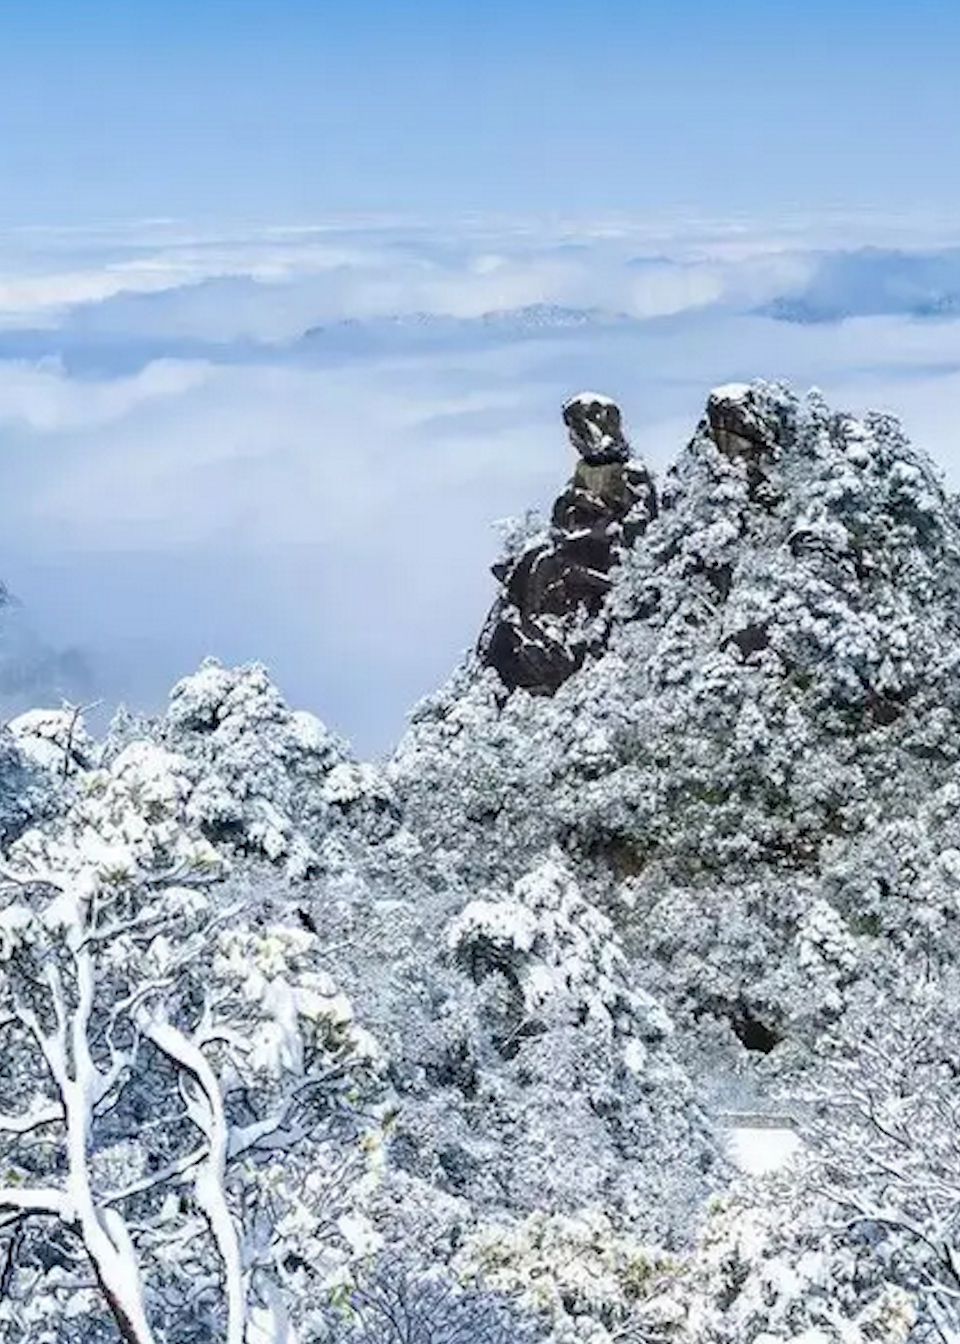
{"points": [[595, 429], [744, 421], [731, 392], [555, 580]]}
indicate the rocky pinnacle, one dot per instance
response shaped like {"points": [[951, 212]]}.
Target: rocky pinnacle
{"points": [[546, 618]]}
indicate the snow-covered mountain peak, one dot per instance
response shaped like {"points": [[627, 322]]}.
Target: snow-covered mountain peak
{"points": [[715, 666]]}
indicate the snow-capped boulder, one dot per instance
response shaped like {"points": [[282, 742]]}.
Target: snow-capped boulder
{"points": [[743, 421], [594, 424]]}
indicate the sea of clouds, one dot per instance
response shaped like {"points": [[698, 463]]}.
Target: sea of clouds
{"points": [[291, 444]]}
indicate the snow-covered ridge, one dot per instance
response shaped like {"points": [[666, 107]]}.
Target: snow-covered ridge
{"points": [[793, 591]]}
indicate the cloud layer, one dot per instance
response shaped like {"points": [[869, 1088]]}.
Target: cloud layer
{"points": [[292, 444]]}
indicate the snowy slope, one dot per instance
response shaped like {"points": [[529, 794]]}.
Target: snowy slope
{"points": [[301, 1049]]}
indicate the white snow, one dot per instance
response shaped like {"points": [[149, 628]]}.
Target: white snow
{"points": [[758, 1149], [731, 392], [589, 399], [51, 738]]}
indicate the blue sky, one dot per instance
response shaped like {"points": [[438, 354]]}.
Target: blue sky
{"points": [[287, 109]]}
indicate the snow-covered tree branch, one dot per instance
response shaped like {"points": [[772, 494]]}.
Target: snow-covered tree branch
{"points": [[886, 1135], [188, 1098]]}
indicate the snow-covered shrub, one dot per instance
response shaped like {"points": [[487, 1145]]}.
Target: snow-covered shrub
{"points": [[559, 951], [825, 941], [827, 954], [56, 740], [265, 779], [772, 1267], [857, 1241], [126, 820], [884, 1137], [586, 1277], [532, 1075], [395, 1304], [517, 534], [27, 792]]}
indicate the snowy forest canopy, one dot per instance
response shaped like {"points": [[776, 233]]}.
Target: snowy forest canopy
{"points": [[300, 1049]]}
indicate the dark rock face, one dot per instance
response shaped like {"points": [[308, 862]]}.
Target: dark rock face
{"points": [[544, 622]]}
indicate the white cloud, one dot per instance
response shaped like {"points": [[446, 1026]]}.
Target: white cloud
{"points": [[43, 398], [272, 284]]}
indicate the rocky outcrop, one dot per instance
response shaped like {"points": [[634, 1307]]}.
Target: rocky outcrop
{"points": [[595, 427], [786, 628], [545, 620], [740, 426], [747, 431]]}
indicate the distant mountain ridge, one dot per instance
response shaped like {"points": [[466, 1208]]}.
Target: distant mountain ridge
{"points": [[873, 282], [529, 320]]}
